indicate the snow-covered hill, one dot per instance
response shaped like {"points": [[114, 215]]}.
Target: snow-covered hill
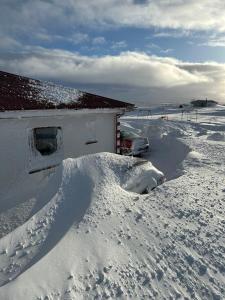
{"points": [[98, 238]]}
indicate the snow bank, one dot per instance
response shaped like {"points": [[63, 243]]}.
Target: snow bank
{"points": [[83, 179], [167, 150], [217, 136], [142, 177]]}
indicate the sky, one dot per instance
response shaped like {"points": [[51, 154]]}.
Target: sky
{"points": [[142, 51]]}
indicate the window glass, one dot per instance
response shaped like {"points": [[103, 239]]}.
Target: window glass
{"points": [[126, 134], [45, 139]]}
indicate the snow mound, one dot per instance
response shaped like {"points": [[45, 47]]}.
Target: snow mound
{"points": [[217, 136], [195, 159], [167, 150], [82, 179], [195, 156], [142, 177], [160, 128]]}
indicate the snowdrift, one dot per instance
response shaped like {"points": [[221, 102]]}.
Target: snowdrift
{"points": [[85, 183]]}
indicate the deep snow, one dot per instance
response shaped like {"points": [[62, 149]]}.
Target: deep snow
{"points": [[98, 239]]}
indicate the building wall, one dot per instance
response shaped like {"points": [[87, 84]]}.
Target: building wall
{"points": [[89, 134], [81, 134]]}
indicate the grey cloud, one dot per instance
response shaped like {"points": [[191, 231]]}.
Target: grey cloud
{"points": [[140, 2], [8, 43], [128, 68], [56, 15], [129, 76]]}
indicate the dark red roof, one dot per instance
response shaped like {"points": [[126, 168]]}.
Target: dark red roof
{"points": [[21, 93]]}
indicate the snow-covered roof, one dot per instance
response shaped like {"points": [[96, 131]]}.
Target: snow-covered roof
{"points": [[22, 93]]}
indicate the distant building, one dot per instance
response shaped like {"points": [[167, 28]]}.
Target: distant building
{"points": [[42, 123], [203, 103]]}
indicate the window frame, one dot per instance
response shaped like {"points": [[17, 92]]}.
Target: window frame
{"points": [[38, 140]]}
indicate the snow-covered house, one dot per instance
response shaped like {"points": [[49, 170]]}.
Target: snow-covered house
{"points": [[42, 123]]}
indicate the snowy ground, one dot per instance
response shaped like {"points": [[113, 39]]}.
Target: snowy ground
{"points": [[96, 239]]}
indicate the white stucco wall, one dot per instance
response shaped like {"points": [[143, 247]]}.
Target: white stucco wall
{"points": [[16, 155]]}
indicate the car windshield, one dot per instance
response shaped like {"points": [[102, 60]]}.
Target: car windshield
{"points": [[126, 134]]}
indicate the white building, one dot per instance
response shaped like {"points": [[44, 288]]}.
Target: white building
{"points": [[42, 123]]}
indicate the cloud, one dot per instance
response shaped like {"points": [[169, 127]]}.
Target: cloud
{"points": [[157, 47], [128, 68], [8, 43], [119, 45], [172, 34], [215, 42], [166, 51], [99, 40], [129, 75], [152, 46], [175, 14], [79, 38], [66, 16]]}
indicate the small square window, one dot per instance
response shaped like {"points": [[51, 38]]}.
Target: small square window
{"points": [[46, 139]]}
